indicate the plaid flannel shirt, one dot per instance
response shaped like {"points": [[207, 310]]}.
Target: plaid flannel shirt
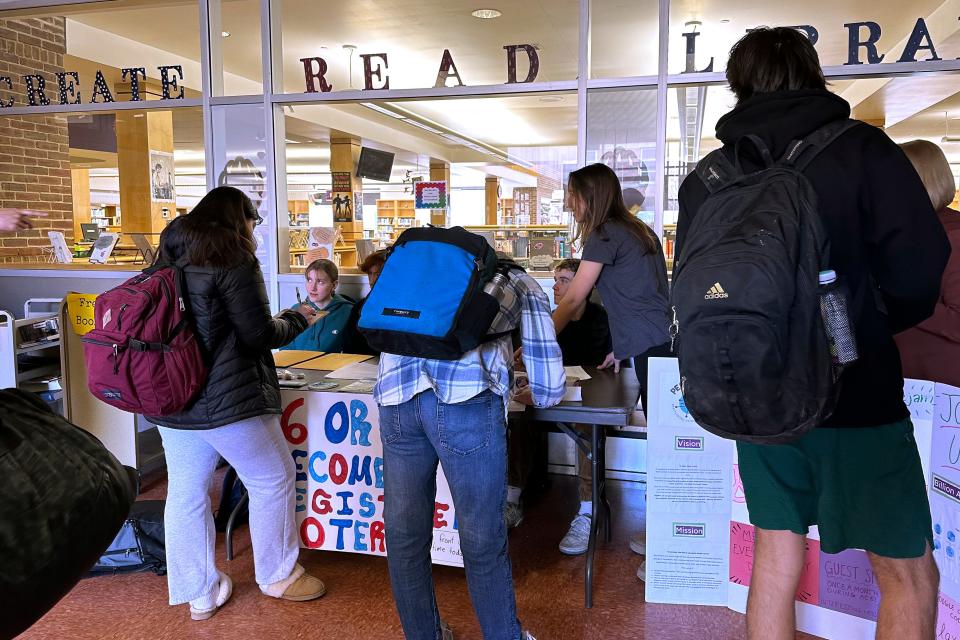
{"points": [[490, 366]]}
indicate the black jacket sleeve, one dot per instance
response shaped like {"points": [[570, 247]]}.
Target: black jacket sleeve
{"points": [[908, 245], [248, 309], [691, 195]]}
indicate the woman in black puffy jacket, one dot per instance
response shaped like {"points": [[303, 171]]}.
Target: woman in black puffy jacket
{"points": [[236, 414]]}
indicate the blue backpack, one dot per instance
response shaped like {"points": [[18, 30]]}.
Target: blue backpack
{"points": [[429, 300]]}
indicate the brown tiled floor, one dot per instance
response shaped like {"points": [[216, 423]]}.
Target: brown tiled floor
{"points": [[358, 603]]}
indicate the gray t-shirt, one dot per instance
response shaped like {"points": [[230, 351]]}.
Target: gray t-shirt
{"points": [[633, 287]]}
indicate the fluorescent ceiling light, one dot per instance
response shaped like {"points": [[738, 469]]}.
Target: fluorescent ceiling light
{"points": [[225, 34], [383, 110], [486, 14], [420, 125]]}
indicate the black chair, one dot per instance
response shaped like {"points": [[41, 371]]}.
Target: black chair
{"points": [[233, 507]]}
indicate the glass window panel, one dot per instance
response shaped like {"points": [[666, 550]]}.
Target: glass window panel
{"points": [[414, 36], [140, 33], [622, 134], [126, 172], [721, 24], [624, 38], [235, 51], [504, 160]]}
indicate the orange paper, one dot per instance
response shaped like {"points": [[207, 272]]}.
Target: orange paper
{"points": [[332, 361], [293, 358]]}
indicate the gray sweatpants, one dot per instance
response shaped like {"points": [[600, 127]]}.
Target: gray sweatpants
{"points": [[256, 449]]}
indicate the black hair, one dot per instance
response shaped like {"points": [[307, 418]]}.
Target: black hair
{"points": [[773, 59]]}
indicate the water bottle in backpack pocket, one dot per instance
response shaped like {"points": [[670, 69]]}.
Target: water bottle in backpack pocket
{"points": [[836, 322]]}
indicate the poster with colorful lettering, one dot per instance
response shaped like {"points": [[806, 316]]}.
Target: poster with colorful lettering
{"points": [[918, 395], [945, 488], [335, 443]]}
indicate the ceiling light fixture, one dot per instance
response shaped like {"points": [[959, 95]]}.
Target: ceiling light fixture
{"points": [[486, 14], [225, 34], [383, 110]]}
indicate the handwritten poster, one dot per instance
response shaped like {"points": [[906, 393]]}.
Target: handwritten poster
{"points": [[430, 195], [80, 309], [334, 439], [945, 488]]}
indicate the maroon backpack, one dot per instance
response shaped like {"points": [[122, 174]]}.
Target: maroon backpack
{"points": [[142, 355]]}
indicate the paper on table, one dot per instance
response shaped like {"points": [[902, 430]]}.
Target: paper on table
{"points": [[294, 357], [573, 393], [332, 361], [358, 386], [577, 373], [356, 371]]}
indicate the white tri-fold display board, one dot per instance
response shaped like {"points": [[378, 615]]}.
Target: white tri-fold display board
{"points": [[699, 536]]}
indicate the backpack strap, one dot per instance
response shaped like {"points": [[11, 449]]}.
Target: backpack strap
{"points": [[716, 171], [800, 153]]}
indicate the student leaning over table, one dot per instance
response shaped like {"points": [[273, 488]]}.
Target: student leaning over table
{"points": [[235, 415], [454, 412], [623, 257], [328, 327]]}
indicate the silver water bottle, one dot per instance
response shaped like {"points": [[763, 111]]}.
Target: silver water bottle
{"points": [[836, 321], [496, 284]]}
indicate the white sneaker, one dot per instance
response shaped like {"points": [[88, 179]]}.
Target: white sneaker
{"points": [[638, 543], [642, 571], [203, 610], [578, 536]]}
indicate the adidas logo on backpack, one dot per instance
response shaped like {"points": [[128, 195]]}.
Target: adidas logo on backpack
{"points": [[716, 292]]}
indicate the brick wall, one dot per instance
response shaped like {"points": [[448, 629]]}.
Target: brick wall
{"points": [[34, 150]]}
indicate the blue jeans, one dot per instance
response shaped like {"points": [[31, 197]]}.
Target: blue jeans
{"points": [[469, 440]]}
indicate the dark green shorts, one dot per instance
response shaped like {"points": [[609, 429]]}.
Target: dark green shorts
{"points": [[863, 487]]}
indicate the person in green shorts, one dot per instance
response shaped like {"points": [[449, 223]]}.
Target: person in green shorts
{"points": [[857, 476]]}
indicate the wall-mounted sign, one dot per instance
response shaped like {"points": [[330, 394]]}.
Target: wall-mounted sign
{"points": [[68, 86], [342, 207], [161, 177], [430, 195], [341, 181], [358, 206]]}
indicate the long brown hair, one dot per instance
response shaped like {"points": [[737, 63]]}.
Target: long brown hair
{"points": [[600, 190], [216, 232]]}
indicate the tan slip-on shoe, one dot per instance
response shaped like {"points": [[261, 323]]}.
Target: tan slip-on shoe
{"points": [[306, 587]]}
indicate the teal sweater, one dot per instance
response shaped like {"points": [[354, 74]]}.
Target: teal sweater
{"points": [[327, 333]]}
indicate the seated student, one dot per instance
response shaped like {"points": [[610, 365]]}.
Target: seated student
{"points": [[354, 341], [328, 327], [585, 341]]}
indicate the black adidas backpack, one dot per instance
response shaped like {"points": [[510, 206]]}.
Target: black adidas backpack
{"points": [[755, 363]]}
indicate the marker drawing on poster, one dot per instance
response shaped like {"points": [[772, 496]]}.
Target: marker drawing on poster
{"points": [[335, 443]]}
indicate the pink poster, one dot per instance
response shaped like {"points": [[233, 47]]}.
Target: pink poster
{"points": [[741, 562], [948, 618]]}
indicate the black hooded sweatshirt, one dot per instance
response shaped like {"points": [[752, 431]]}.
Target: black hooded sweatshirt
{"points": [[885, 239]]}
